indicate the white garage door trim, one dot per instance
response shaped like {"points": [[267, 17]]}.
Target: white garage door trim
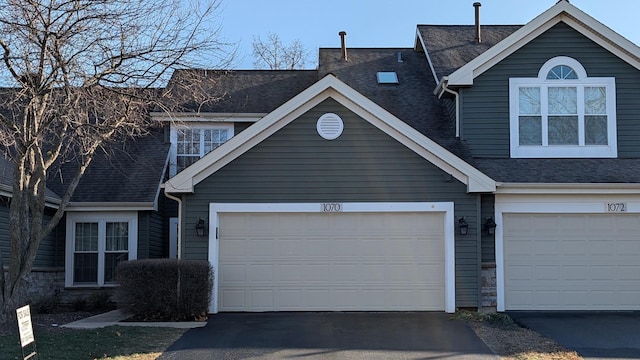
{"points": [[549, 204], [446, 207]]}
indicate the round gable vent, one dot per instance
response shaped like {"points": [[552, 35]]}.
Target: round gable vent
{"points": [[330, 126]]}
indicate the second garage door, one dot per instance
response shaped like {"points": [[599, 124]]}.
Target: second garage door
{"points": [[331, 261], [572, 261]]}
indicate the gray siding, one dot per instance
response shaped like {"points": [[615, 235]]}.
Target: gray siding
{"points": [[51, 251], [150, 235], [363, 165], [4, 230], [486, 105]]}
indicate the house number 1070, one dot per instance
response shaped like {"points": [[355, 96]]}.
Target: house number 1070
{"points": [[331, 207]]}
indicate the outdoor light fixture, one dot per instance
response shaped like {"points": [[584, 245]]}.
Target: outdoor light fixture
{"points": [[200, 227], [463, 226], [490, 225]]}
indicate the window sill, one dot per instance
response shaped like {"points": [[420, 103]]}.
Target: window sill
{"points": [[90, 286], [563, 151]]}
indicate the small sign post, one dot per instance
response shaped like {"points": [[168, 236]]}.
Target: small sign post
{"points": [[26, 333]]}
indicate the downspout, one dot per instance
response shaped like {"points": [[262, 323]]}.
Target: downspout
{"points": [[443, 85], [179, 201]]}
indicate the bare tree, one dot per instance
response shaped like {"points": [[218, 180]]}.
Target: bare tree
{"points": [[83, 74], [277, 56]]}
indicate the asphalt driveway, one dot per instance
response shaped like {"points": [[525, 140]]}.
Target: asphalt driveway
{"points": [[368, 335], [594, 335]]}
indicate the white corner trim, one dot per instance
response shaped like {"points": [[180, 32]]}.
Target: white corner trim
{"points": [[549, 203], [563, 11], [440, 207], [330, 86]]}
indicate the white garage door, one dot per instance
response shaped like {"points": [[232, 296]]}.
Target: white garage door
{"points": [[572, 262], [331, 261]]}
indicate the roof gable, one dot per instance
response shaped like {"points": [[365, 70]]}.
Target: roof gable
{"points": [[330, 86], [563, 11]]}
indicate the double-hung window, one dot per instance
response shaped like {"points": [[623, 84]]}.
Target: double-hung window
{"points": [[190, 142], [562, 113], [96, 244]]}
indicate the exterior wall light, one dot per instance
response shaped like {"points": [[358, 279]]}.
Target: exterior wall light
{"points": [[491, 226], [463, 227], [200, 227]]}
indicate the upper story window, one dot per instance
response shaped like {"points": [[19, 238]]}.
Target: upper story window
{"points": [[190, 142], [562, 113]]}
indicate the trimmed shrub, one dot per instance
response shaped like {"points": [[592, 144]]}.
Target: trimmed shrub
{"points": [[164, 289]]}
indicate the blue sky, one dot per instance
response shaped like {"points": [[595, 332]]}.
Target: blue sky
{"points": [[390, 23]]}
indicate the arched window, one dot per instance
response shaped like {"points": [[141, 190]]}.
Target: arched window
{"points": [[562, 113], [562, 72]]}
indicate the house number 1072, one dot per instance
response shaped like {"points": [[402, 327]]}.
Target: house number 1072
{"points": [[616, 207], [331, 207]]}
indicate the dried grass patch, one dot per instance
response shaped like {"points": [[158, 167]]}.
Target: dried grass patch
{"points": [[511, 342]]}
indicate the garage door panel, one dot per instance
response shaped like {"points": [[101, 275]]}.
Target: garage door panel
{"points": [[345, 261], [263, 299], [261, 273], [233, 273], [258, 246], [628, 247], [596, 267], [233, 299]]}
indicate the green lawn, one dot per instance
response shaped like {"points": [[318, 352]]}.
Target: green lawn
{"points": [[115, 342]]}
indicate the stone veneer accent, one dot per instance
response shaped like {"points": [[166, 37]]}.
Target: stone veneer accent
{"points": [[488, 277], [46, 286]]}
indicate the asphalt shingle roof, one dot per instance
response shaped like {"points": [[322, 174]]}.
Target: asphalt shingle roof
{"points": [[562, 171], [130, 171], [411, 100], [243, 91], [452, 46]]}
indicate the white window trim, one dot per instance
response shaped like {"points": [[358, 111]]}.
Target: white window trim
{"points": [[173, 138], [100, 218], [563, 151]]}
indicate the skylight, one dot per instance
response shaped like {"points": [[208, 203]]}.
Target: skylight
{"points": [[387, 77]]}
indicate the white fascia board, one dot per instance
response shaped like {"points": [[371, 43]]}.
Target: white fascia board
{"points": [[50, 202], [327, 87], [115, 206], [206, 117], [562, 11], [567, 188], [420, 41]]}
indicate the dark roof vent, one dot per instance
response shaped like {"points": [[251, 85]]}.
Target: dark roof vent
{"points": [[478, 34], [343, 44]]}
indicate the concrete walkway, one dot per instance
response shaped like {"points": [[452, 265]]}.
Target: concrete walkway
{"points": [[116, 317]]}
